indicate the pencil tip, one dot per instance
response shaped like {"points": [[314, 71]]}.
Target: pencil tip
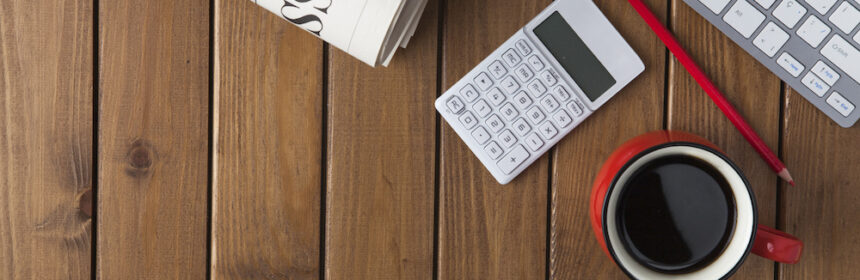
{"points": [[786, 176]]}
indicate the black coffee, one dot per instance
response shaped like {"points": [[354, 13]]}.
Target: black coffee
{"points": [[676, 214]]}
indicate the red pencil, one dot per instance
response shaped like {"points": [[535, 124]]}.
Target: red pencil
{"points": [[712, 91]]}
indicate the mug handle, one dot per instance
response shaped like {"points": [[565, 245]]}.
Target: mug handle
{"points": [[776, 245]]}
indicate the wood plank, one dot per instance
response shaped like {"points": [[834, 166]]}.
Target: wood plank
{"points": [[46, 139], [381, 155], [635, 110], [822, 209], [268, 146], [486, 231], [753, 90], [153, 139]]}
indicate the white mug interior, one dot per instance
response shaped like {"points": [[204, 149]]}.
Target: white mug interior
{"points": [[739, 243]]}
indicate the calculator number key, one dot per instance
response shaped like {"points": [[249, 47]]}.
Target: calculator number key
{"points": [[481, 135], [496, 96], [508, 139], [493, 150], [514, 159], [495, 123], [469, 93], [511, 58], [510, 85], [524, 73], [522, 127], [509, 112], [535, 115], [522, 100], [482, 108], [534, 142], [455, 104], [498, 70]]}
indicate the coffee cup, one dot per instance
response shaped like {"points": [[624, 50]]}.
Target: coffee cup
{"points": [[671, 205]]}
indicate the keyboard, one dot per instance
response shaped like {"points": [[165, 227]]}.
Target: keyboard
{"points": [[538, 86], [812, 45]]}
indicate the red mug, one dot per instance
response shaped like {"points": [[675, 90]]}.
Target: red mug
{"points": [[746, 235]]}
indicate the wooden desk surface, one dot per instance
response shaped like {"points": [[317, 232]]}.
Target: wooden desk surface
{"points": [[192, 139]]}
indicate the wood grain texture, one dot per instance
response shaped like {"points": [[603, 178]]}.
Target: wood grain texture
{"points": [[381, 155], [46, 139], [486, 230], [153, 139], [822, 209], [753, 90], [268, 146], [635, 110]]}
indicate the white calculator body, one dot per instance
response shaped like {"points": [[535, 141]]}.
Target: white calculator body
{"points": [[538, 86]]}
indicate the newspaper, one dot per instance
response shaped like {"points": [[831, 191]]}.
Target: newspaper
{"points": [[370, 30]]}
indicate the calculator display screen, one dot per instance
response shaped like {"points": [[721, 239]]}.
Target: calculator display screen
{"points": [[572, 53]]}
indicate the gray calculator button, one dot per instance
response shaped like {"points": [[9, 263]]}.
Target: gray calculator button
{"points": [[469, 93], [511, 58], [524, 47], [481, 135], [514, 159], [522, 127], [536, 88], [536, 63], [510, 85], [483, 81], [455, 104], [535, 115], [468, 120], [497, 69], [522, 100], [524, 73], [496, 96]]}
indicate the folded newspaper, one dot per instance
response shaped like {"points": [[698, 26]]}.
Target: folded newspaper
{"points": [[370, 30]]}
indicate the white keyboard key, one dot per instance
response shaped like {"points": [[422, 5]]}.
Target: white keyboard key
{"points": [[481, 135], [838, 102], [493, 150], [562, 119], [744, 18], [514, 159], [549, 77], [574, 107], [484, 81], [844, 56], [825, 73], [536, 63], [510, 85], [550, 104], [765, 3], [535, 115], [522, 100], [524, 73], [508, 139], [536, 88], [469, 93], [498, 70], [561, 93], [534, 142], [455, 104], [857, 38], [716, 6], [771, 39], [511, 58], [846, 17], [521, 126], [822, 6], [468, 120], [790, 64], [789, 12], [815, 84], [509, 112], [547, 130], [495, 123], [524, 47], [813, 31], [482, 108], [496, 96]]}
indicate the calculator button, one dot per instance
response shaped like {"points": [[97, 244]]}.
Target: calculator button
{"points": [[561, 93], [562, 118], [510, 85], [524, 47], [789, 12], [495, 123], [790, 64], [522, 127], [469, 93], [514, 159], [522, 100], [844, 56], [536, 63], [509, 112], [574, 107], [744, 18], [715, 6], [825, 72], [766, 3], [547, 130], [482, 108], [508, 139], [822, 6], [549, 77], [846, 17], [535, 115], [840, 104], [536, 88], [481, 135], [771, 39], [455, 104], [493, 150], [497, 69], [496, 96], [468, 120], [815, 84], [550, 104], [534, 142], [524, 73], [511, 58], [813, 31], [483, 81]]}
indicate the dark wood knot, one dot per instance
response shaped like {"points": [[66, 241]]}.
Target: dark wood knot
{"points": [[85, 202], [140, 157]]}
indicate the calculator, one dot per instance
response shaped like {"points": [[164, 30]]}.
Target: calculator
{"points": [[812, 45], [538, 86]]}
